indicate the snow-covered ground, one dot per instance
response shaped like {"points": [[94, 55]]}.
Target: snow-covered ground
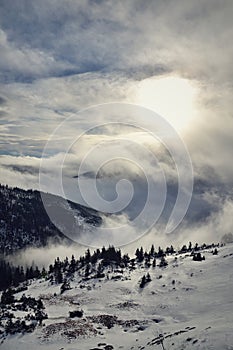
{"points": [[191, 306]]}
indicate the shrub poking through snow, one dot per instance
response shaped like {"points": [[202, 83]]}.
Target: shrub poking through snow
{"points": [[198, 257], [145, 279], [76, 313]]}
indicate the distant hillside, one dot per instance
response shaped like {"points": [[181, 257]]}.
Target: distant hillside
{"points": [[24, 221]]}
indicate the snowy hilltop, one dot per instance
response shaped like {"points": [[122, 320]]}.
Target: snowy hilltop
{"points": [[105, 300]]}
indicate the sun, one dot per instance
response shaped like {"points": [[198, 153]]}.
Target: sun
{"points": [[174, 98]]}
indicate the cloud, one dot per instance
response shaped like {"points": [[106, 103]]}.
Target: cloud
{"points": [[23, 169], [54, 38], [19, 171], [213, 228], [2, 100], [43, 257], [22, 63]]}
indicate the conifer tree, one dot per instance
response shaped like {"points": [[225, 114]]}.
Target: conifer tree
{"points": [[143, 281], [163, 262], [148, 278], [152, 250], [7, 297], [72, 264], [87, 270]]}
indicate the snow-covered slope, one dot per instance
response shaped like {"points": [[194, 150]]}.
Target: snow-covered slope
{"points": [[189, 303]]}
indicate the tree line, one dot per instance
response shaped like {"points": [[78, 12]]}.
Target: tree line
{"points": [[95, 262]]}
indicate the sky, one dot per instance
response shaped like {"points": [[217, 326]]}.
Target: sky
{"points": [[173, 57]]}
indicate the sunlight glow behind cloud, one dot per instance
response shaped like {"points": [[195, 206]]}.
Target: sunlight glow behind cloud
{"points": [[170, 96]]}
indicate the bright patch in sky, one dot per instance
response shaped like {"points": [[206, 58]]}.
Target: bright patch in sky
{"points": [[173, 98]]}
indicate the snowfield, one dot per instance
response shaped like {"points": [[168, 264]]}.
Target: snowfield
{"points": [[187, 305]]}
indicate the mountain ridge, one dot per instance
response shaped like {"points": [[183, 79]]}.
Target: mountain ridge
{"points": [[24, 221]]}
